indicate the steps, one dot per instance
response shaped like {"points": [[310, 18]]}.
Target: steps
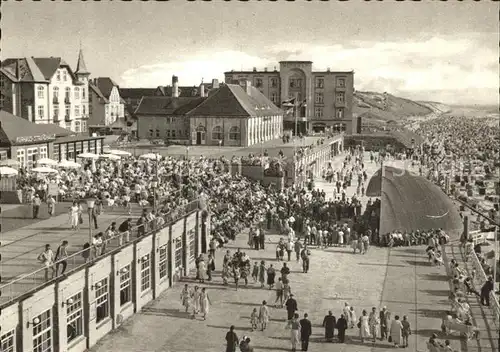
{"points": [[482, 316]]}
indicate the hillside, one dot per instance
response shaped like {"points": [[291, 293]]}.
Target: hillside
{"points": [[383, 107]]}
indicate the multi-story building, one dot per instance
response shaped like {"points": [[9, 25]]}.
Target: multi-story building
{"points": [[312, 100], [230, 115], [46, 90], [105, 104]]}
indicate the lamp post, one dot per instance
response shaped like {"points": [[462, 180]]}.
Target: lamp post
{"points": [[154, 185], [90, 208], [187, 152]]}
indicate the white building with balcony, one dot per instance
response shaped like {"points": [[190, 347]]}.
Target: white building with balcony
{"points": [[46, 90]]}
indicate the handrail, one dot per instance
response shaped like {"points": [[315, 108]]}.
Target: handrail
{"points": [[150, 227]]}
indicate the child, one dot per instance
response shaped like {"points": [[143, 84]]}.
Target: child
{"points": [[255, 272], [254, 319]]}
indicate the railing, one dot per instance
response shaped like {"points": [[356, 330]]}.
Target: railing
{"points": [[481, 277], [40, 278]]}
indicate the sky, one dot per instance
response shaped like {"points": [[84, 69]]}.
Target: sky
{"points": [[430, 50]]}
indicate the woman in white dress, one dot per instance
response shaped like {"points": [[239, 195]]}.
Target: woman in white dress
{"points": [[195, 296], [364, 327], [205, 303], [74, 216], [202, 270]]}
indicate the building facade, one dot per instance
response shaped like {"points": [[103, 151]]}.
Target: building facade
{"points": [[312, 100], [105, 103], [46, 90]]}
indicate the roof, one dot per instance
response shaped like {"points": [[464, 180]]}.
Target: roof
{"points": [[81, 67], [48, 65], [232, 100], [105, 85], [410, 202], [184, 91], [54, 129], [76, 138], [97, 91], [16, 130], [167, 105], [33, 69], [137, 93]]}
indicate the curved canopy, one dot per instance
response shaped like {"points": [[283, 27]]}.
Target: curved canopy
{"points": [[410, 202]]}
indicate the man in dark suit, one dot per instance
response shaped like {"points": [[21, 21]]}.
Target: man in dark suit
{"points": [[305, 332], [341, 327], [291, 308]]}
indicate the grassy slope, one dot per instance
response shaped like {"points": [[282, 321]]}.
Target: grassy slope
{"points": [[379, 107]]}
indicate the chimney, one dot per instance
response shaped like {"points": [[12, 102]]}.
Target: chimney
{"points": [[202, 90], [265, 69], [175, 87], [255, 69], [215, 84], [246, 85], [328, 69]]}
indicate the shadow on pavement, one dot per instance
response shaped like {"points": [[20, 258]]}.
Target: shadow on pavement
{"points": [[165, 312], [379, 264], [225, 327], [428, 333], [244, 304], [440, 293], [429, 313], [434, 277], [266, 348], [418, 263]]}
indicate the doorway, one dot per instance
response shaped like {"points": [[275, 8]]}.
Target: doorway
{"points": [[200, 135]]}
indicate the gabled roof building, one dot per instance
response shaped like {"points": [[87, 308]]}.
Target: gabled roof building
{"points": [[105, 103]]}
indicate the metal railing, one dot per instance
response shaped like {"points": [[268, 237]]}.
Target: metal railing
{"points": [[43, 277], [481, 278]]}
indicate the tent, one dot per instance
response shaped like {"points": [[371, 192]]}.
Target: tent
{"points": [[410, 202]]}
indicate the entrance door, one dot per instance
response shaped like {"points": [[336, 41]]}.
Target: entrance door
{"points": [[358, 127], [200, 138]]}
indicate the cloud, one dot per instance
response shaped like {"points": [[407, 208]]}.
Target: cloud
{"points": [[464, 69]]}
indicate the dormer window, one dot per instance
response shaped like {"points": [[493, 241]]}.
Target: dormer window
{"points": [[65, 76]]}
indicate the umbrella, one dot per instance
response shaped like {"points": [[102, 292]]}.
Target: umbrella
{"points": [[46, 161], [7, 171], [109, 156], [9, 162], [88, 156], [44, 170], [68, 164], [151, 156], [118, 152]]}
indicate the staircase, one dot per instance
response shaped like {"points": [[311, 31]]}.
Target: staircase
{"points": [[482, 316]]}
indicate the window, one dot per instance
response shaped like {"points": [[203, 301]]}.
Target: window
{"points": [[42, 333], [77, 93], [217, 133], [258, 82], [77, 126], [339, 97], [84, 126], [192, 244], [234, 133], [84, 94], [65, 76], [343, 127], [320, 82], [67, 111], [295, 82], [40, 111], [125, 285], [274, 97], [151, 133], [163, 261], [173, 133], [2, 81], [55, 94], [168, 134], [84, 111], [339, 113], [32, 157], [77, 111], [157, 132], [274, 82], [319, 98], [102, 300], [8, 342], [58, 75], [67, 93], [74, 317], [145, 272], [21, 157], [178, 253], [40, 90], [2, 100], [56, 151], [43, 152], [71, 151], [318, 112], [341, 82]]}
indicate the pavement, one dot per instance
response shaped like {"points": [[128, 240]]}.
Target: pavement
{"points": [[21, 247]]}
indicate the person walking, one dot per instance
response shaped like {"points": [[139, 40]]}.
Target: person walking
{"points": [[383, 323], [279, 294], [231, 340], [285, 271], [395, 331], [74, 216], [262, 273], [289, 248], [205, 303], [47, 259], [486, 290], [51, 206], [352, 317], [295, 331], [346, 312], [329, 324], [374, 322], [305, 259], [291, 308], [406, 330], [271, 274], [61, 255], [305, 332], [37, 202], [185, 295], [195, 302], [364, 326], [341, 328], [297, 247], [263, 315]]}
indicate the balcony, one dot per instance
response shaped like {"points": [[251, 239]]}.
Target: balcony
{"points": [[55, 100], [340, 88], [67, 100], [67, 118], [56, 119], [85, 117], [340, 104]]}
